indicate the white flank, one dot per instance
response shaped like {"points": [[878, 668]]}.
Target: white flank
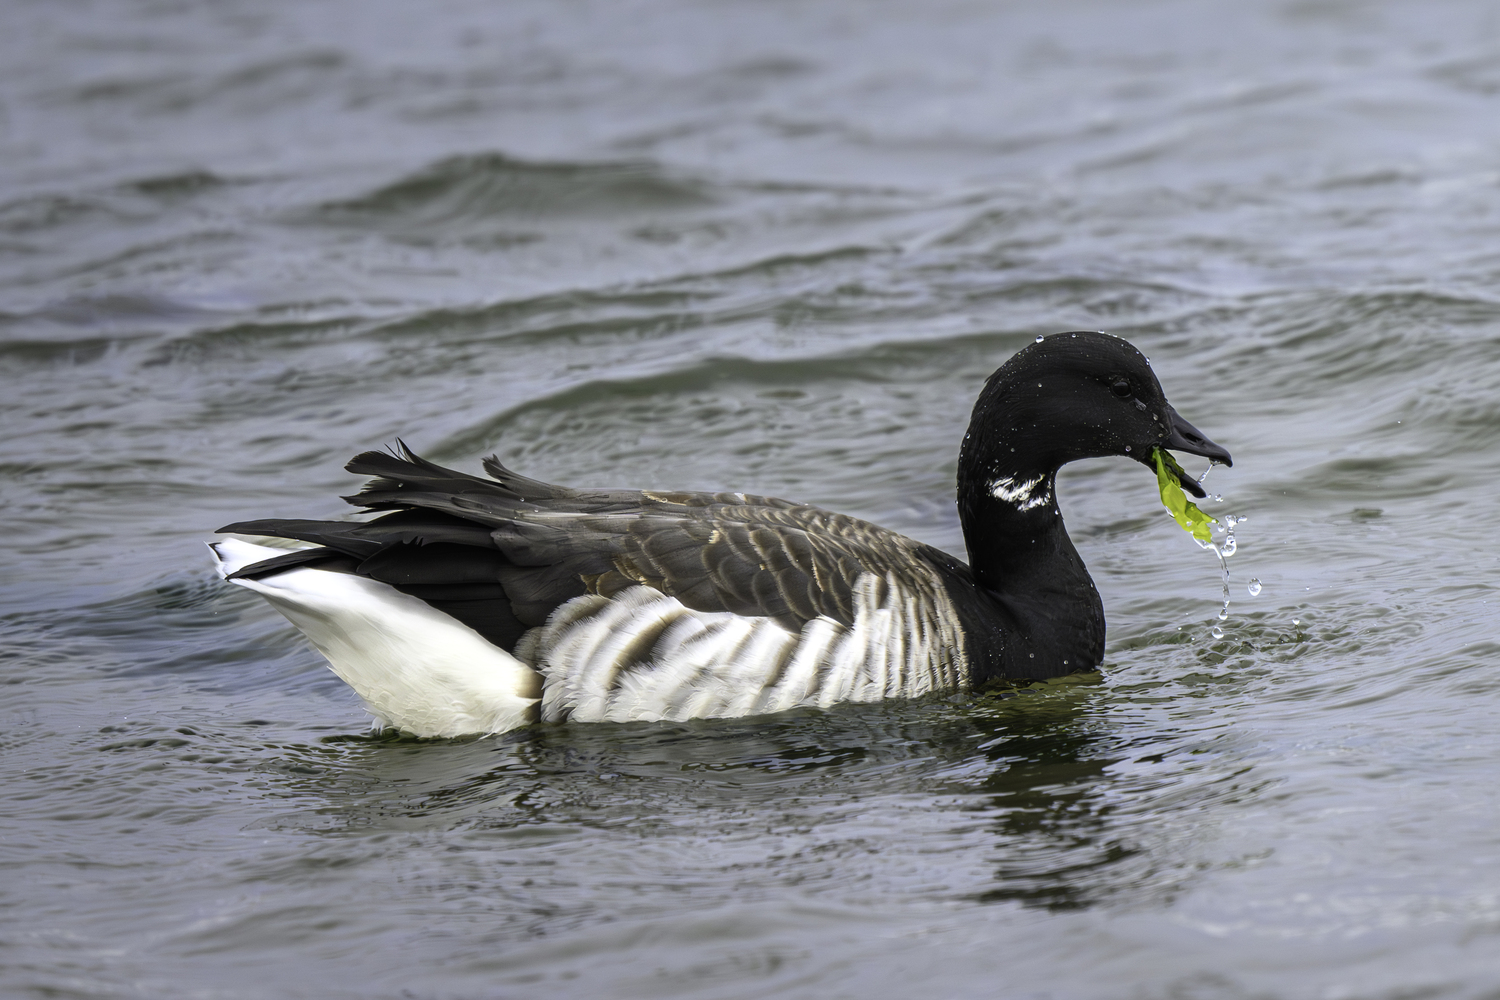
{"points": [[417, 669], [643, 656], [1024, 495], [640, 655]]}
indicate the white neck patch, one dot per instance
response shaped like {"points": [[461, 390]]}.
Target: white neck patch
{"points": [[1024, 495]]}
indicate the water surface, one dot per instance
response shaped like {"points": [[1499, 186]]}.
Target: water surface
{"points": [[771, 247]]}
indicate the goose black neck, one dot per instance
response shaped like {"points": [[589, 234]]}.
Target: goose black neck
{"points": [[1030, 576]]}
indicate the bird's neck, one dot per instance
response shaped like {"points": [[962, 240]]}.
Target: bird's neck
{"points": [[1035, 584]]}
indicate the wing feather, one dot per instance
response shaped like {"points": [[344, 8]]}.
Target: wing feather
{"points": [[545, 545]]}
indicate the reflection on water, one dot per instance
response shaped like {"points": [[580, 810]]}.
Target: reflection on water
{"points": [[1058, 849], [1033, 770]]}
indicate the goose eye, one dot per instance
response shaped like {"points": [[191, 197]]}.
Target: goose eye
{"points": [[1121, 389]]}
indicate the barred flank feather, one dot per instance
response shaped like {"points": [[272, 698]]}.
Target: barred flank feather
{"points": [[629, 604]]}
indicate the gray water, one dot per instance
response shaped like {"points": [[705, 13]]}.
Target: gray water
{"points": [[772, 247]]}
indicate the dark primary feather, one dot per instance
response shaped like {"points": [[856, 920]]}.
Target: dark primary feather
{"points": [[502, 554]]}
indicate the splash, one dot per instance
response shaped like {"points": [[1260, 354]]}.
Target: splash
{"points": [[1224, 548], [1196, 523]]}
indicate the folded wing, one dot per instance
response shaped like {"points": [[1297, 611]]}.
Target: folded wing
{"points": [[501, 554]]}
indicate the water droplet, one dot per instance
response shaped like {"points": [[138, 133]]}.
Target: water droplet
{"points": [[1216, 632], [1223, 530], [1039, 338], [1254, 587], [1127, 447], [1296, 621]]}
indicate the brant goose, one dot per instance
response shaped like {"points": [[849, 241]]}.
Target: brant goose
{"points": [[480, 605]]}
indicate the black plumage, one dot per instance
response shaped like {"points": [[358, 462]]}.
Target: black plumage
{"points": [[502, 554]]}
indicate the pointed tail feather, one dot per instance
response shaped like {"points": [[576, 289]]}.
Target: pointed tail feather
{"points": [[529, 489], [402, 474]]}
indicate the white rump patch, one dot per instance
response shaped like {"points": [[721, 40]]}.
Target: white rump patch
{"points": [[1024, 495], [417, 669], [643, 656]]}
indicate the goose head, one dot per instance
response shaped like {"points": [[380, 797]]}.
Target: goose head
{"points": [[1067, 397]]}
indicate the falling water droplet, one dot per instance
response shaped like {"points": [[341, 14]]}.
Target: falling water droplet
{"points": [[1216, 632], [1223, 550], [1039, 338], [1127, 447], [1296, 621], [1223, 529], [1254, 587]]}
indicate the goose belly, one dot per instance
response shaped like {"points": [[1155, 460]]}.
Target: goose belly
{"points": [[641, 655]]}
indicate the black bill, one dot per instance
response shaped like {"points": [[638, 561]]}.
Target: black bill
{"points": [[1185, 437]]}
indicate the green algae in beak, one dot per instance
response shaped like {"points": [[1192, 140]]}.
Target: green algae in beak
{"points": [[1183, 511]]}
